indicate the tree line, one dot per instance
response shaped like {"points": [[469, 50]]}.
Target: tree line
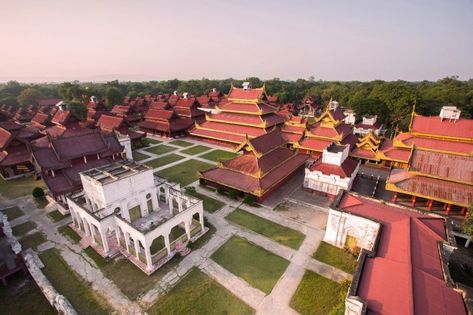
{"points": [[392, 101]]}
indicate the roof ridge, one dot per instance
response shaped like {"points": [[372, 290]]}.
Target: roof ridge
{"points": [[410, 267]]}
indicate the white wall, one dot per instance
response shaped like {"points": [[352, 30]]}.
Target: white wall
{"points": [[330, 184], [341, 224]]}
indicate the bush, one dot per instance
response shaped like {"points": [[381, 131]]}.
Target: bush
{"points": [[249, 199], [38, 192], [221, 191], [233, 193], [202, 182]]}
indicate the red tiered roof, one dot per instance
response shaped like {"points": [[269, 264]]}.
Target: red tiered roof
{"points": [[436, 144], [314, 144], [109, 123], [231, 128], [265, 163], [40, 118], [344, 170], [434, 125], [248, 94], [405, 276]]}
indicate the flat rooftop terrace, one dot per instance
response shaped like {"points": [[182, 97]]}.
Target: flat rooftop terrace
{"points": [[112, 172]]}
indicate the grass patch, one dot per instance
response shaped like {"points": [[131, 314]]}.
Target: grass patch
{"points": [[67, 282], [337, 257], [22, 229], [161, 149], [138, 156], [281, 207], [32, 240], [148, 141], [257, 266], [22, 296], [68, 232], [196, 150], [19, 187], [197, 293], [210, 204], [167, 159], [181, 143], [184, 173], [56, 216], [13, 213], [218, 155], [41, 202], [318, 295], [92, 254], [272, 230]]}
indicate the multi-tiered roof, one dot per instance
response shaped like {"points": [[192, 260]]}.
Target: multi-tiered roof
{"points": [[438, 157], [245, 112], [328, 128], [264, 165]]}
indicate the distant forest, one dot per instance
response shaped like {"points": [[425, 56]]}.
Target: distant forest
{"points": [[391, 101]]}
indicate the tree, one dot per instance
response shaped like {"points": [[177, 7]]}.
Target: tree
{"points": [[113, 96], [78, 109], [38, 192], [468, 223], [29, 96]]}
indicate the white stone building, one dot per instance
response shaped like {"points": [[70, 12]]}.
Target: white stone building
{"points": [[125, 208], [369, 123], [331, 172], [350, 116]]}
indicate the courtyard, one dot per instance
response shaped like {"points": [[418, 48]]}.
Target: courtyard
{"points": [[253, 259]]}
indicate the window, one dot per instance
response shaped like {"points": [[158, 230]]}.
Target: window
{"points": [[117, 210], [148, 196]]}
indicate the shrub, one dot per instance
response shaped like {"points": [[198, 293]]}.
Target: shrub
{"points": [[221, 190], [249, 199], [233, 193], [202, 182], [190, 189], [38, 192]]}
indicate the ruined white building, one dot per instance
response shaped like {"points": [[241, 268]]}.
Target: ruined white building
{"points": [[124, 208], [331, 172], [369, 123]]}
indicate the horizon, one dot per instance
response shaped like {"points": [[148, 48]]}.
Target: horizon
{"points": [[53, 42]]}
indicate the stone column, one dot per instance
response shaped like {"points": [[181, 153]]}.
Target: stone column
{"points": [[103, 235], [187, 226], [117, 235], [431, 202], [394, 197], [179, 204], [413, 201], [201, 219], [447, 211], [149, 263], [127, 242], [167, 243], [92, 233]]}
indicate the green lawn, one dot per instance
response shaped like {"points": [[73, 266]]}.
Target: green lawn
{"points": [[32, 240], [257, 266], [161, 149], [184, 173], [56, 216], [13, 213], [272, 230], [337, 257], [196, 150], [41, 202], [137, 156], [23, 228], [19, 187], [22, 296], [182, 143], [218, 155], [170, 158], [210, 204], [67, 282], [92, 254], [151, 141], [318, 295], [197, 293], [69, 233]]}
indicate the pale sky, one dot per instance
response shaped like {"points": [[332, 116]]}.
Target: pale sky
{"points": [[57, 40]]}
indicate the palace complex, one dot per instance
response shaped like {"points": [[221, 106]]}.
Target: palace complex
{"points": [[401, 268], [245, 112], [123, 208], [264, 165]]}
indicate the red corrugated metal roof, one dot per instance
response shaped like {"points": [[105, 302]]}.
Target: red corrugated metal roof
{"points": [[433, 125], [406, 275], [242, 94], [343, 171]]}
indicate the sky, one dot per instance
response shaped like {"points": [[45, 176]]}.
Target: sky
{"points": [[100, 40]]}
